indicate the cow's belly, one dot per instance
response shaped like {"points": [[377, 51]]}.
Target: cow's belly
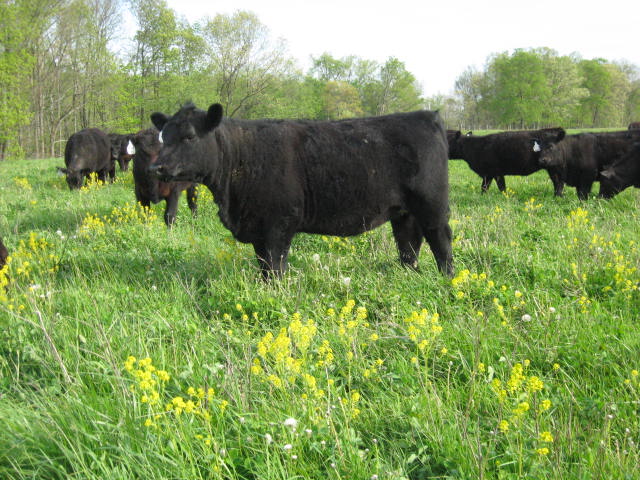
{"points": [[345, 225]]}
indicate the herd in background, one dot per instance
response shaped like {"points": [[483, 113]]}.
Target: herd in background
{"points": [[93, 152], [579, 160]]}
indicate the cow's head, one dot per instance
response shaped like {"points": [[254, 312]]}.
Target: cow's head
{"points": [[74, 177], [189, 151], [455, 143], [623, 173], [122, 150], [547, 145]]}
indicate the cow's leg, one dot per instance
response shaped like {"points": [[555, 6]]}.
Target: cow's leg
{"points": [[558, 183], [192, 199], [112, 175], [486, 182], [584, 189], [502, 186], [439, 239], [172, 207], [272, 252], [408, 235]]}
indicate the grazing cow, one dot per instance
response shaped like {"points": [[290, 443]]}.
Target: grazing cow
{"points": [[122, 150], [86, 152], [274, 178], [506, 153], [147, 187], [623, 173], [3, 254], [634, 126], [580, 158]]}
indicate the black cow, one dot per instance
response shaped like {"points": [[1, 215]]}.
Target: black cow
{"points": [[3, 254], [147, 187], [576, 159], [634, 126], [122, 149], [623, 173], [580, 158], [274, 178], [506, 153], [86, 152]]}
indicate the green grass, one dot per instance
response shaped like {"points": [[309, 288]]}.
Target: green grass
{"points": [[388, 373]]}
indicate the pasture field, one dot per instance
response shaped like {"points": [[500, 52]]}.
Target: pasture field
{"points": [[131, 352]]}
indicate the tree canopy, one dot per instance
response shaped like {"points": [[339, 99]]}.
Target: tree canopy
{"points": [[64, 65]]}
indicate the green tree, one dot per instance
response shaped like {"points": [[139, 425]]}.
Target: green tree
{"points": [[341, 100], [565, 84], [597, 81], [245, 63], [16, 62], [519, 90], [469, 90], [395, 91]]}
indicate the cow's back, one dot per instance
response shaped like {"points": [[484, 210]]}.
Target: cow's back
{"points": [[88, 149]]}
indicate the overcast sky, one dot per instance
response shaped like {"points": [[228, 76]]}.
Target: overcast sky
{"points": [[438, 41]]}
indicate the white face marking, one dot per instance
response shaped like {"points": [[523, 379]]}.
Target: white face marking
{"points": [[536, 147], [160, 137], [131, 150]]}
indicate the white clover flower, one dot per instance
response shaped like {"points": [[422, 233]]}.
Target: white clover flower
{"points": [[552, 309], [316, 258], [526, 317], [268, 438], [346, 281], [288, 446], [291, 422], [308, 431]]}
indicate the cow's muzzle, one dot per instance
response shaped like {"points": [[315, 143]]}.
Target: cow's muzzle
{"points": [[159, 171]]}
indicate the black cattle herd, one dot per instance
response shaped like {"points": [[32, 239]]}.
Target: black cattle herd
{"points": [[272, 179]]}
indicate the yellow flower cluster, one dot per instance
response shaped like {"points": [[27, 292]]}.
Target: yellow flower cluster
{"points": [[30, 260], [349, 323], [495, 215], [633, 381], [578, 219], [339, 244], [22, 183], [129, 214], [519, 398], [531, 206], [423, 329], [149, 388], [297, 361], [91, 225], [92, 183]]}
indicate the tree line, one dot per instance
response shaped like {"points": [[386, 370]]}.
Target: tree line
{"points": [[64, 66]]}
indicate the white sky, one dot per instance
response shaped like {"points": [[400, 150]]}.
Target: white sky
{"points": [[438, 41]]}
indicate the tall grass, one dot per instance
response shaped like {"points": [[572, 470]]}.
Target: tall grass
{"points": [[130, 351]]}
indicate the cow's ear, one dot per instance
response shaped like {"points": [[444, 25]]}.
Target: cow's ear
{"points": [[561, 135], [468, 134], [214, 117], [159, 120], [458, 135]]}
